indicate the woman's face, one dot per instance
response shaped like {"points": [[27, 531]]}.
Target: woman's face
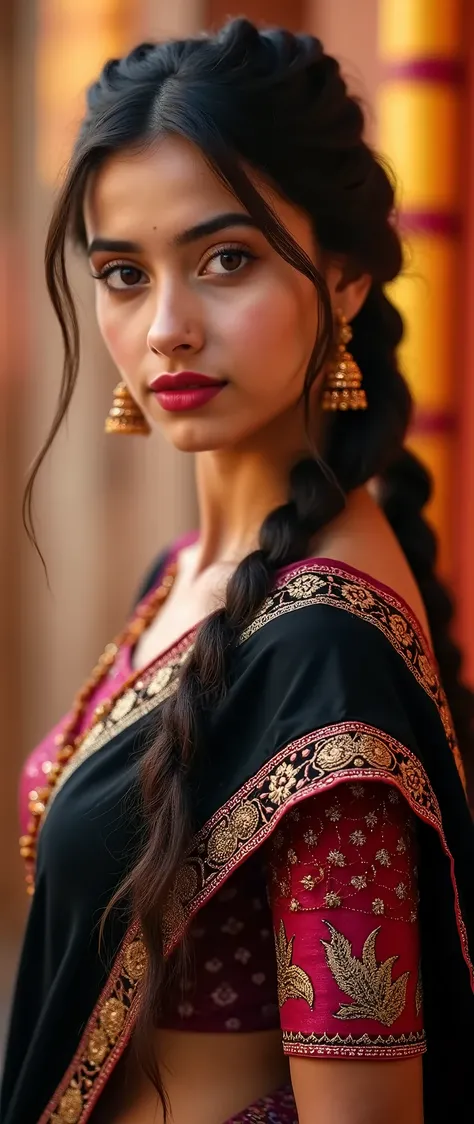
{"points": [[190, 285]]}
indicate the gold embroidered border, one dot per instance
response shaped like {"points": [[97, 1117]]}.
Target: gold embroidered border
{"points": [[104, 1040], [352, 1046], [348, 751], [317, 583], [320, 760], [140, 699], [307, 584]]}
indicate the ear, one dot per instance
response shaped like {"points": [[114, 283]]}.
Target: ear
{"points": [[347, 296]]}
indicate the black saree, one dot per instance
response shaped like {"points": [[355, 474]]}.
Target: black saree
{"points": [[332, 682]]}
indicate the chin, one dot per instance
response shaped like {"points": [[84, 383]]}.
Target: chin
{"points": [[189, 435]]}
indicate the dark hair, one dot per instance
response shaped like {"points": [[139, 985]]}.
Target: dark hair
{"points": [[274, 102]]}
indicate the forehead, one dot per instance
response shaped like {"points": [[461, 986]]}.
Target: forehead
{"points": [[165, 189]]}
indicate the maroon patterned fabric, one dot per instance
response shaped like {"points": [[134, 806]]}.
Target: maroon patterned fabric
{"points": [[277, 1108]]}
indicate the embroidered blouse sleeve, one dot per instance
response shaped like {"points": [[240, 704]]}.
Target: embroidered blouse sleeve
{"points": [[343, 891]]}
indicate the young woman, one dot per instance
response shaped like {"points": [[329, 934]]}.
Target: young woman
{"points": [[248, 844]]}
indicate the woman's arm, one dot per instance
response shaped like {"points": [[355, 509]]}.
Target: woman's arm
{"points": [[342, 877], [357, 1092]]}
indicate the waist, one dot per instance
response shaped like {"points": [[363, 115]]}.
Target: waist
{"points": [[208, 1078]]}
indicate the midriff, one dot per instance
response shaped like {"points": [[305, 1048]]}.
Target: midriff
{"points": [[208, 1078]]}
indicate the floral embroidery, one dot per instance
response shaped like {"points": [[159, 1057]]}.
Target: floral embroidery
{"points": [[383, 857], [358, 596], [357, 838], [359, 882], [243, 955], [224, 995], [281, 783], [293, 982], [336, 858], [411, 778], [232, 927], [304, 586], [369, 984], [333, 813], [378, 906], [400, 628], [332, 900], [310, 837], [308, 882]]}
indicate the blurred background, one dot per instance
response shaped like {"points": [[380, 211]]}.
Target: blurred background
{"points": [[105, 506]]}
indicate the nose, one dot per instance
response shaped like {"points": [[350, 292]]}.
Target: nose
{"points": [[176, 328]]}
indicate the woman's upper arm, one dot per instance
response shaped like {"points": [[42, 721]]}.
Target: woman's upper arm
{"points": [[343, 888], [358, 1092]]}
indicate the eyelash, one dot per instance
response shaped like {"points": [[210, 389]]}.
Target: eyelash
{"points": [[112, 267]]}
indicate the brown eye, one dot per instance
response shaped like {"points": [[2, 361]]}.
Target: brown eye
{"points": [[121, 277], [231, 260], [227, 261]]}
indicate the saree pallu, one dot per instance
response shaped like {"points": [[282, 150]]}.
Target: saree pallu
{"points": [[332, 683]]}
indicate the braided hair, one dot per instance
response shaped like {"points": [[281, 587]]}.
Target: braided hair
{"points": [[275, 102]]}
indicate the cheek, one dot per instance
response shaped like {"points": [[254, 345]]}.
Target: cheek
{"points": [[274, 328], [120, 331]]}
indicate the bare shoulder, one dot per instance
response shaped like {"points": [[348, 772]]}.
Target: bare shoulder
{"points": [[362, 538]]}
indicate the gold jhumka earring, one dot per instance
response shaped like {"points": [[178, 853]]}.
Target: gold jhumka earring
{"points": [[343, 389], [124, 415]]}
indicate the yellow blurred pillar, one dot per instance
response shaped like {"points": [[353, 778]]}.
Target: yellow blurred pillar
{"points": [[420, 43]]}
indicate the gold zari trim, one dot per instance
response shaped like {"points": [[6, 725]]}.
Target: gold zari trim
{"points": [[104, 1039], [152, 689], [354, 1046], [321, 584]]}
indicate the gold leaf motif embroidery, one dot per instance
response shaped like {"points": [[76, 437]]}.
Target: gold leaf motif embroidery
{"points": [[419, 993], [369, 984], [293, 982]]}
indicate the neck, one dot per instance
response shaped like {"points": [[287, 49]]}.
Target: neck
{"points": [[237, 488]]}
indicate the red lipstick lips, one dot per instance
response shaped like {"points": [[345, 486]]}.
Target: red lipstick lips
{"points": [[187, 390]]}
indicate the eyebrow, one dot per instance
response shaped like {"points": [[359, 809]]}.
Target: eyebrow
{"points": [[193, 234]]}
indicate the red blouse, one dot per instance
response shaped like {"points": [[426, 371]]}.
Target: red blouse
{"points": [[343, 885], [337, 889]]}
